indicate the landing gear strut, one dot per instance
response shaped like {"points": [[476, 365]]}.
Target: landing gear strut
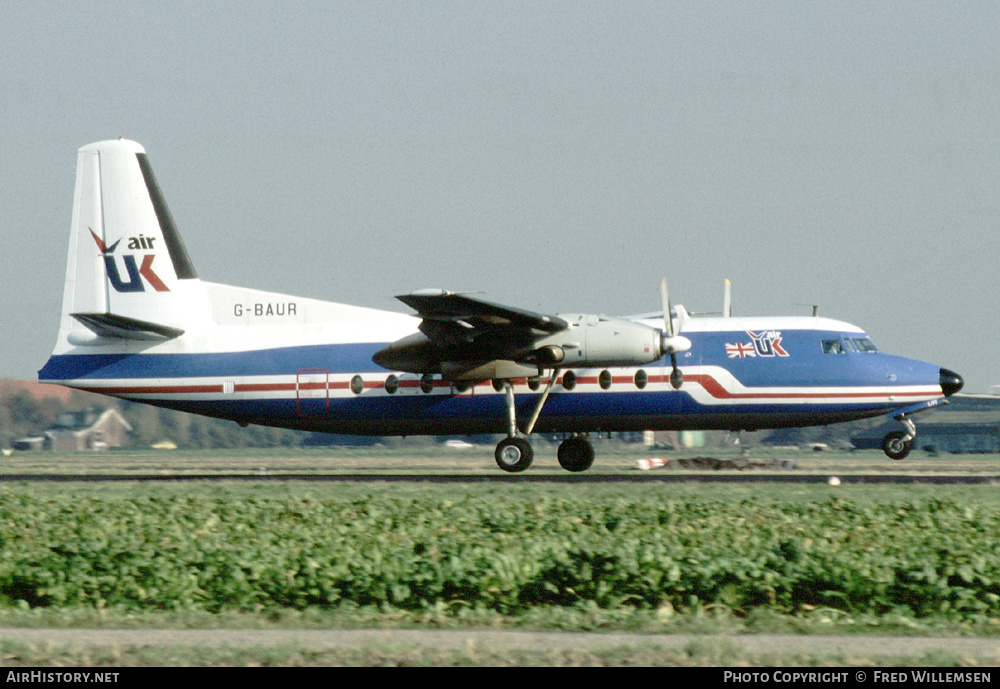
{"points": [[514, 453]]}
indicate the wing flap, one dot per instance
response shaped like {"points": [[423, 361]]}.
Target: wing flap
{"points": [[469, 313]]}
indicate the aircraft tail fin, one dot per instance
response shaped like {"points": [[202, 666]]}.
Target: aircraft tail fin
{"points": [[128, 274]]}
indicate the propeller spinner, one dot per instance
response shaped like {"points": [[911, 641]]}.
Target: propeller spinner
{"points": [[671, 343]]}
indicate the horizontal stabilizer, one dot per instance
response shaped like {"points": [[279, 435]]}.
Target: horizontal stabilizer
{"points": [[125, 328]]}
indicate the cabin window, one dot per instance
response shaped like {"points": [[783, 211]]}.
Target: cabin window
{"points": [[604, 380], [865, 345], [641, 379], [357, 385], [569, 380], [833, 347], [391, 384], [427, 383]]}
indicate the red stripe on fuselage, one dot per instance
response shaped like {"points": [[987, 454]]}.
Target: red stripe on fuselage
{"points": [[709, 383], [715, 389]]}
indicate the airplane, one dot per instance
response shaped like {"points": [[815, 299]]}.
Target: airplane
{"points": [[139, 324]]}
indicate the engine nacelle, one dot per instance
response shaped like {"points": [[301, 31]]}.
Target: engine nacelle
{"points": [[588, 341], [596, 341], [413, 354]]}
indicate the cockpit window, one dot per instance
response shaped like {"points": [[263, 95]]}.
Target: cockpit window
{"points": [[833, 347], [847, 345], [865, 345]]}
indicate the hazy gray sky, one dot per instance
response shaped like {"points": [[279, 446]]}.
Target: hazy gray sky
{"points": [[558, 156]]}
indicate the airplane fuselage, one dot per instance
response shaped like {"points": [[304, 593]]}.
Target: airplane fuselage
{"points": [[137, 323], [740, 374]]}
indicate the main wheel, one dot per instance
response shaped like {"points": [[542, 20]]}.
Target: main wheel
{"points": [[514, 454], [895, 447], [575, 454]]}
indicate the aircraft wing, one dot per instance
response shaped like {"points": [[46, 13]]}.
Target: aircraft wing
{"points": [[451, 319], [465, 338]]}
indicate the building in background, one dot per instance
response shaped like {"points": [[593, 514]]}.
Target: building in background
{"points": [[81, 430]]}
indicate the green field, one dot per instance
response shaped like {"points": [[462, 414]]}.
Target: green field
{"points": [[661, 557], [651, 556]]}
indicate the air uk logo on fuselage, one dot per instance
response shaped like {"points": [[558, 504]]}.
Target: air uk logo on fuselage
{"points": [[136, 273], [765, 344]]}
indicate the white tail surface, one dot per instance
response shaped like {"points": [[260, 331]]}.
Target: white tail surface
{"points": [[128, 275], [131, 287]]}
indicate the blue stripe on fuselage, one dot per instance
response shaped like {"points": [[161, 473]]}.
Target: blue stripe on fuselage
{"points": [[564, 412], [340, 358], [805, 366]]}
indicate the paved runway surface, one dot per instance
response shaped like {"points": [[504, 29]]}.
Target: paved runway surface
{"points": [[500, 477], [981, 649]]}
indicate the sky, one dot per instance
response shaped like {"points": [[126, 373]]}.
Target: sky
{"points": [[554, 156]]}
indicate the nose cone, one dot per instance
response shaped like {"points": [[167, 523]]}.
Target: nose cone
{"points": [[951, 382]]}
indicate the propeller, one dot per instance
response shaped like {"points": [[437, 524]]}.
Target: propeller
{"points": [[671, 343]]}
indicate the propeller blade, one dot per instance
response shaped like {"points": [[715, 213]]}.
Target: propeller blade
{"points": [[676, 377], [668, 324], [671, 343]]}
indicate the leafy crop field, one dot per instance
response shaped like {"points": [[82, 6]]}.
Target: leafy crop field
{"points": [[510, 550]]}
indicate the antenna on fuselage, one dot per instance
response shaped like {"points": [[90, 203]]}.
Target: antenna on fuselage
{"points": [[727, 299], [815, 308]]}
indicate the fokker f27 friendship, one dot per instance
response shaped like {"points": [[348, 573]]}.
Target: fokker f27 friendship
{"points": [[139, 324]]}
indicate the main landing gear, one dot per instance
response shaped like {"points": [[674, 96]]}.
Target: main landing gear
{"points": [[576, 454], [514, 453]]}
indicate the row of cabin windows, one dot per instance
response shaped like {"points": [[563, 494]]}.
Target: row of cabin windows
{"points": [[849, 345], [604, 379]]}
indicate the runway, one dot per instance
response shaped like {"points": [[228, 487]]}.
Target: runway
{"points": [[980, 649], [501, 478]]}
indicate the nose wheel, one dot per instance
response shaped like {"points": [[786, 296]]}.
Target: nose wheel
{"points": [[897, 445]]}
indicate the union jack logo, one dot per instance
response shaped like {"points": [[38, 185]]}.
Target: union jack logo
{"points": [[741, 351]]}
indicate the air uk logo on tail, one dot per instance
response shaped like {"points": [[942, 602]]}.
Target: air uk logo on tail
{"points": [[135, 273]]}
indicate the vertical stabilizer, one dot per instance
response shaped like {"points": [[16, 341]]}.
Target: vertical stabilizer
{"points": [[128, 275]]}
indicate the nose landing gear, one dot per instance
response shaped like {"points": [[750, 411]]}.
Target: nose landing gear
{"points": [[897, 445]]}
